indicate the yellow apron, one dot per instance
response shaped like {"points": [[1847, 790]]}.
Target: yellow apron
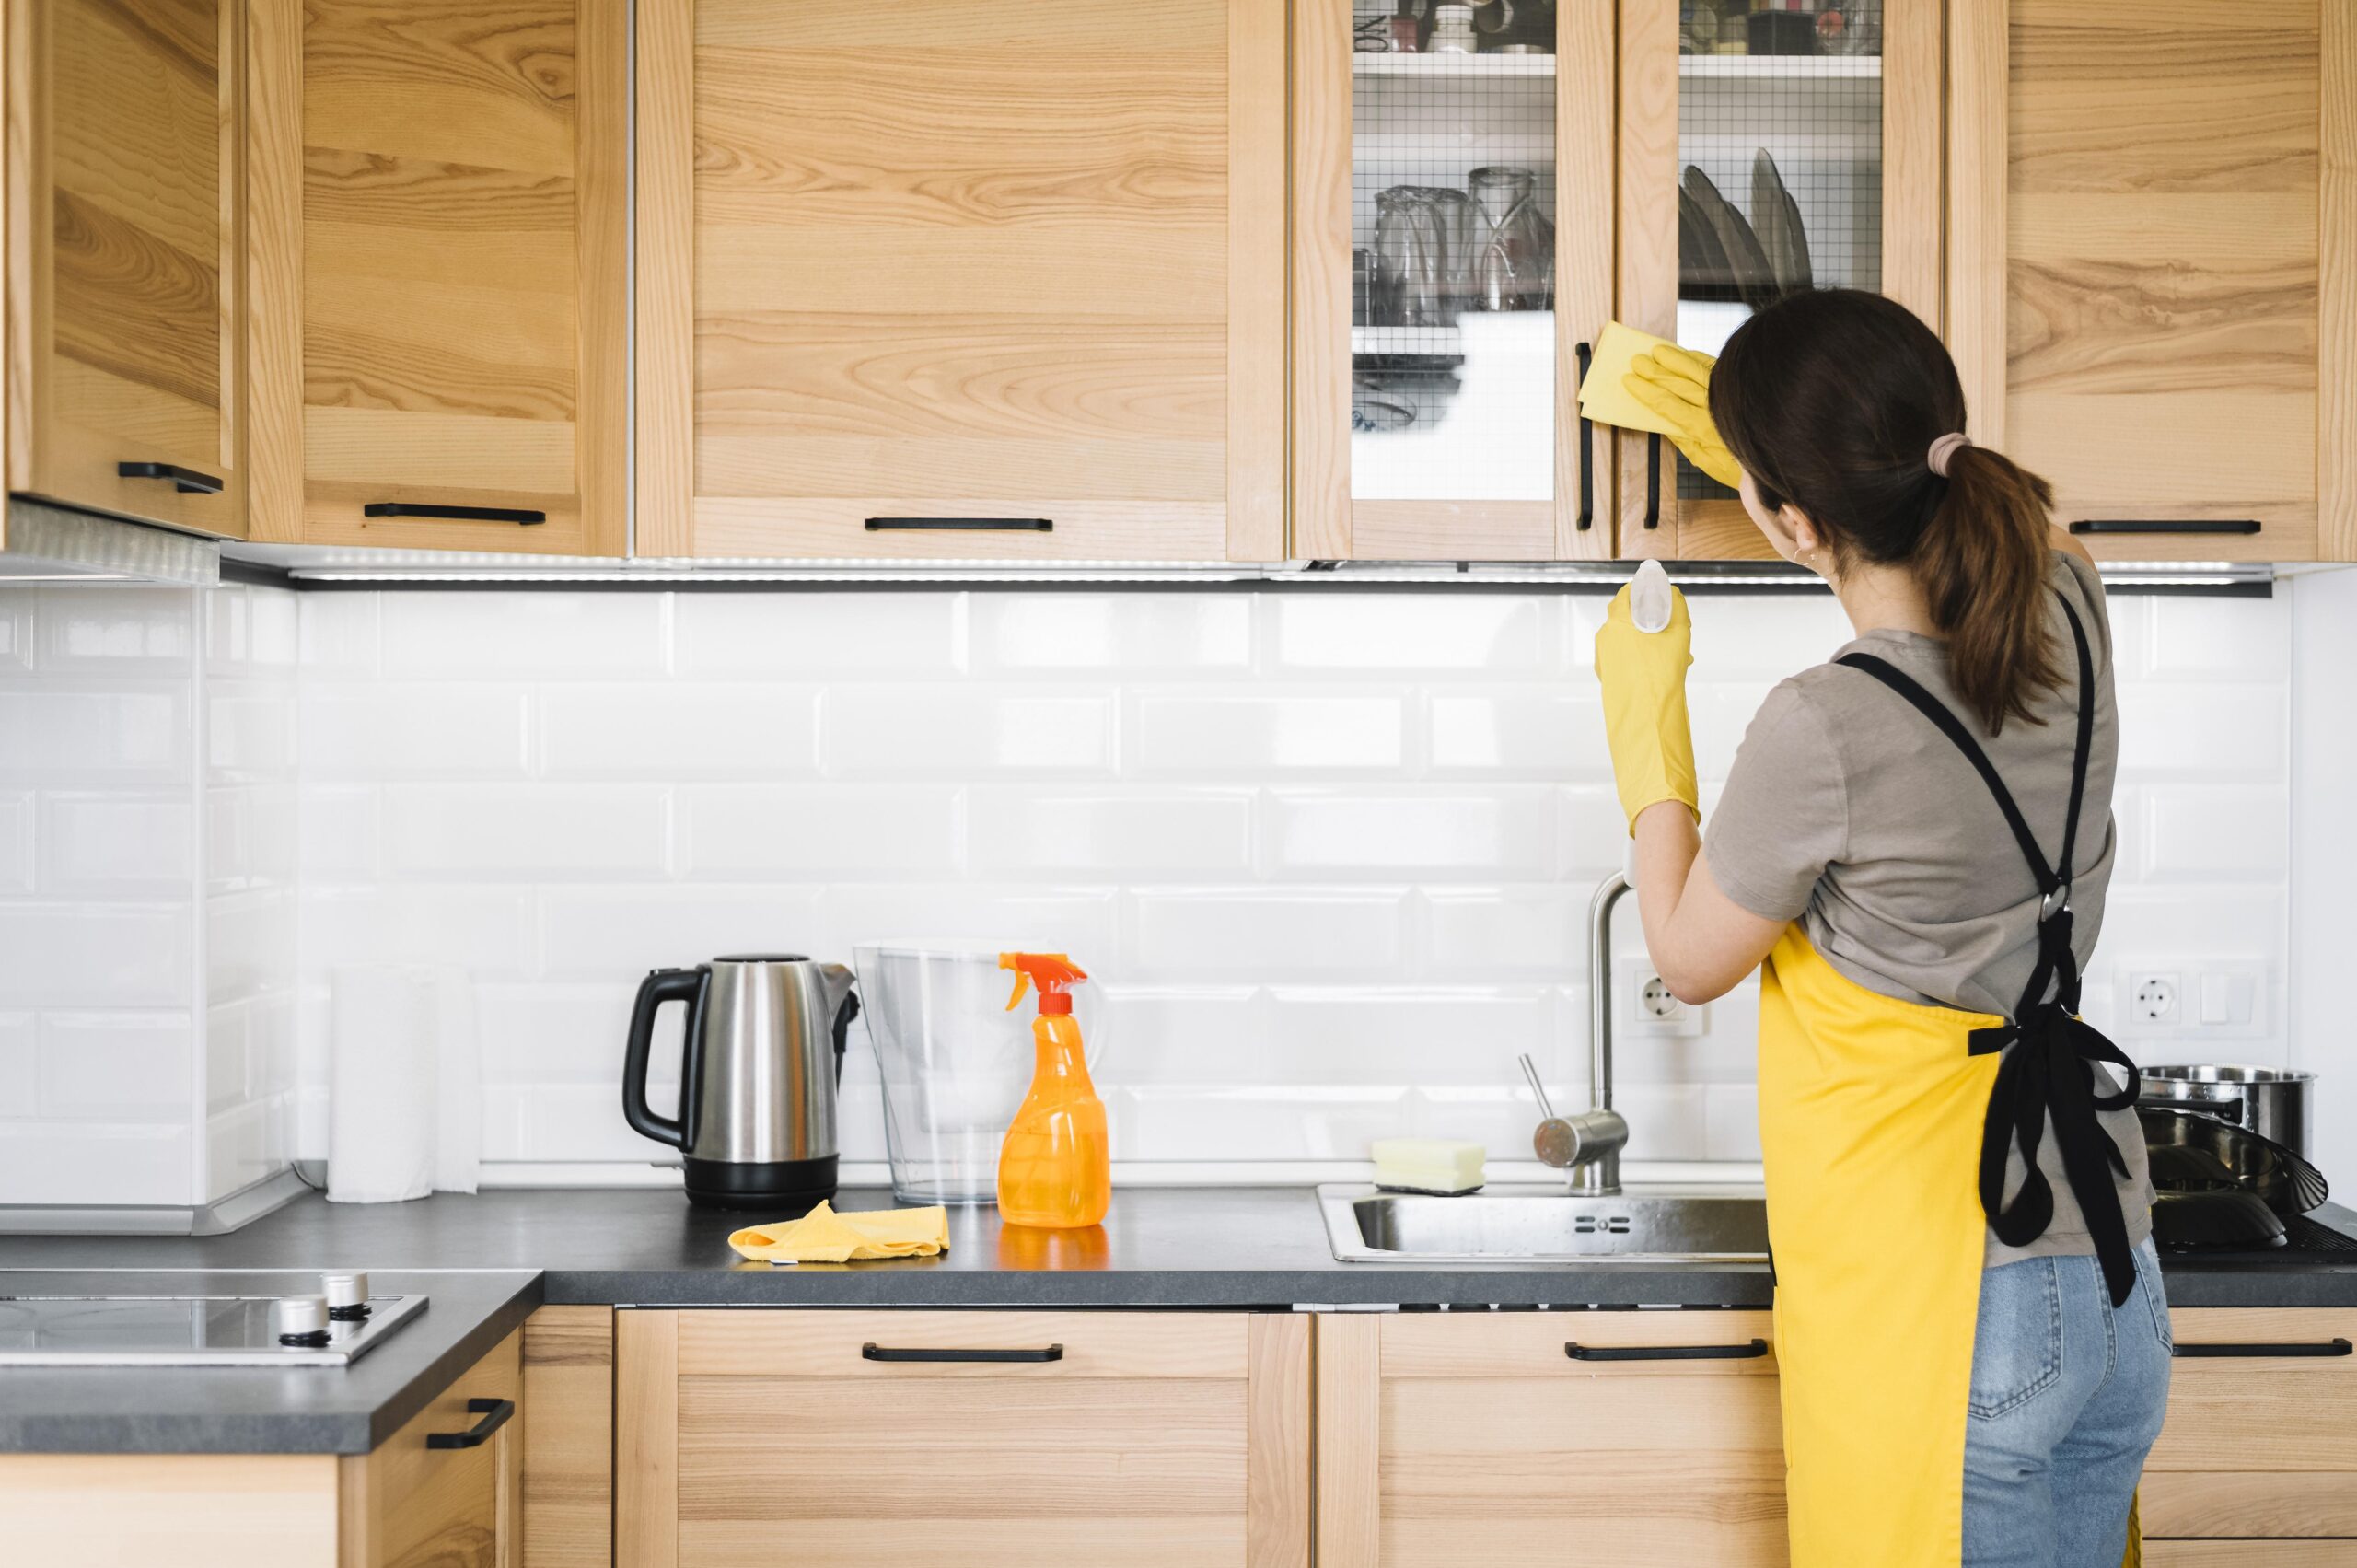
{"points": [[1871, 1121]]}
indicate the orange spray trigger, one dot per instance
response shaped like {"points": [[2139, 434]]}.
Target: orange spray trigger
{"points": [[1052, 972]]}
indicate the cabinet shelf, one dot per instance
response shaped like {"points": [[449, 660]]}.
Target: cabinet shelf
{"points": [[1780, 67], [1492, 65]]}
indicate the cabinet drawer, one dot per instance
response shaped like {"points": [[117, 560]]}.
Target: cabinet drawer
{"points": [[409, 1504], [2261, 1413], [1490, 1444], [872, 1437], [2250, 1554], [2237, 1505]]}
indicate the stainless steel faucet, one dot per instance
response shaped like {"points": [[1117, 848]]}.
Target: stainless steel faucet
{"points": [[1587, 1144]]}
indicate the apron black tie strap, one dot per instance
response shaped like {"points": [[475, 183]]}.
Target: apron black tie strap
{"points": [[2050, 1053]]}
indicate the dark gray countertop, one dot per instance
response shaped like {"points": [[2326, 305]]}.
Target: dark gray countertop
{"points": [[303, 1409], [1161, 1248]]}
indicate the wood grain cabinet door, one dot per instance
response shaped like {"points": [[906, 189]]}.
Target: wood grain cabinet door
{"points": [[419, 1502], [952, 279], [2155, 275], [1447, 1439], [126, 266], [987, 1439], [464, 275]]}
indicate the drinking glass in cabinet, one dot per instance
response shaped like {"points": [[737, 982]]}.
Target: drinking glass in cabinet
{"points": [[1453, 194]]}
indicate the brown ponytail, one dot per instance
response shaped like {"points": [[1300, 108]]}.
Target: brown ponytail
{"points": [[1831, 401]]}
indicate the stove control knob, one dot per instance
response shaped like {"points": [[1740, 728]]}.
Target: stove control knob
{"points": [[347, 1296], [302, 1319]]}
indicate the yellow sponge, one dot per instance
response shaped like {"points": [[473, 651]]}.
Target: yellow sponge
{"points": [[1602, 397], [1440, 1166]]}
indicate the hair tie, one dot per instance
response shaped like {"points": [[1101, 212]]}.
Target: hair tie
{"points": [[1945, 448]]}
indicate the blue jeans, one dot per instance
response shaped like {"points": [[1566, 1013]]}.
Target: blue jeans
{"points": [[2068, 1394]]}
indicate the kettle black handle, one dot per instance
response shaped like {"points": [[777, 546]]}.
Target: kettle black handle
{"points": [[844, 1015], [663, 985]]}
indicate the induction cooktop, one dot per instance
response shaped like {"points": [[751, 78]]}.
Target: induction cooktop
{"points": [[197, 1331]]}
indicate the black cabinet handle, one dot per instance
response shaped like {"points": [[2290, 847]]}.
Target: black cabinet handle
{"points": [[1653, 480], [1588, 439], [2168, 525], [188, 482], [1752, 1351], [461, 514], [2266, 1352], [494, 1413], [962, 525], [884, 1352]]}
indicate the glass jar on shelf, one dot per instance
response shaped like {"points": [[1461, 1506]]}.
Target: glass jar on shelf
{"points": [[1514, 259]]}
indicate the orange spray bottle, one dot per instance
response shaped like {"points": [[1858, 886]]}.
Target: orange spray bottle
{"points": [[1054, 1170]]}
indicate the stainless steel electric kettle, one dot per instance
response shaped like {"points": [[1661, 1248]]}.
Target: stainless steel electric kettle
{"points": [[765, 1051]]}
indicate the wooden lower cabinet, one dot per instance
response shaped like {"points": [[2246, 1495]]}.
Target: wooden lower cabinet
{"points": [[985, 1439], [1465, 1440], [410, 1504]]}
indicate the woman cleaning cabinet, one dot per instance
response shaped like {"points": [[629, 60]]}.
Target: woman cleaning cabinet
{"points": [[1913, 846]]}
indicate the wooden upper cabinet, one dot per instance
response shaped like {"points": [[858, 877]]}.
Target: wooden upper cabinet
{"points": [[1759, 155], [464, 280], [1452, 256], [2171, 218], [126, 275], [943, 279]]}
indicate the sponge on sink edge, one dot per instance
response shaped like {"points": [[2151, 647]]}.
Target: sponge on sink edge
{"points": [[1427, 1165]]}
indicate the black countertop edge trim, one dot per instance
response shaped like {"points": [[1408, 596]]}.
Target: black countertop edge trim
{"points": [[452, 1364]]}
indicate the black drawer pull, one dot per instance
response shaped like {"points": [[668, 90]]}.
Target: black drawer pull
{"points": [[1752, 1351], [494, 1413], [458, 514], [188, 482], [1653, 480], [2265, 1351], [962, 525], [1587, 441], [2168, 526], [884, 1352]]}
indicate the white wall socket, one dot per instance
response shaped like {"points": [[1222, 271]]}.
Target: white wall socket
{"points": [[2196, 999], [1655, 1010], [2155, 996]]}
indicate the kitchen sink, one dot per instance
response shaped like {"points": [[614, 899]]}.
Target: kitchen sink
{"points": [[1680, 1224]]}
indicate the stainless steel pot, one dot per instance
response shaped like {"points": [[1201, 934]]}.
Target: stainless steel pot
{"points": [[2271, 1101]]}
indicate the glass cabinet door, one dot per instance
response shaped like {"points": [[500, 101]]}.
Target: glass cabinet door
{"points": [[1766, 147], [1449, 264]]}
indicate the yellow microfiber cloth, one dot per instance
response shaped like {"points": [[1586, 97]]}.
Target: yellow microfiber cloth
{"points": [[1602, 397], [822, 1236]]}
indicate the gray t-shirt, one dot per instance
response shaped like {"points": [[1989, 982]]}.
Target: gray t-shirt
{"points": [[1847, 810]]}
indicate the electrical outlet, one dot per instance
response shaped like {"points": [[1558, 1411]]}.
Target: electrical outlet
{"points": [[1656, 1010], [2155, 998]]}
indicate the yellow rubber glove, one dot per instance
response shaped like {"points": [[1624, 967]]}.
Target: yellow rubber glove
{"points": [[1675, 384], [1644, 707]]}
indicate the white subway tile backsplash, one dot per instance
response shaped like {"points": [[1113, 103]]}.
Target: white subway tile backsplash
{"points": [[2203, 730], [1504, 932], [107, 630], [608, 933], [1391, 1034], [1593, 838], [778, 832], [1363, 632], [1245, 736], [338, 834], [1180, 1122], [1431, 834], [118, 1066], [1046, 830], [2200, 833], [1123, 634], [456, 730], [525, 832], [117, 845], [1535, 732], [20, 1080], [959, 732], [252, 836], [2216, 640], [488, 931], [1749, 639], [565, 1033], [469, 635], [1298, 934], [1081, 921], [678, 731], [76, 732], [249, 731], [96, 955], [852, 636], [85, 1163], [1720, 712], [16, 629], [338, 634], [18, 812]]}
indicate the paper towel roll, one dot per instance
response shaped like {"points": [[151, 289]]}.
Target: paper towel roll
{"points": [[404, 1085]]}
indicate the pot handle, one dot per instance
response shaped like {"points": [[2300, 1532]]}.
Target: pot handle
{"points": [[663, 985]]}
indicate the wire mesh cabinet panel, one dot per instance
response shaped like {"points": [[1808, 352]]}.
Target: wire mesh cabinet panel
{"points": [[1453, 242], [1763, 151]]}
